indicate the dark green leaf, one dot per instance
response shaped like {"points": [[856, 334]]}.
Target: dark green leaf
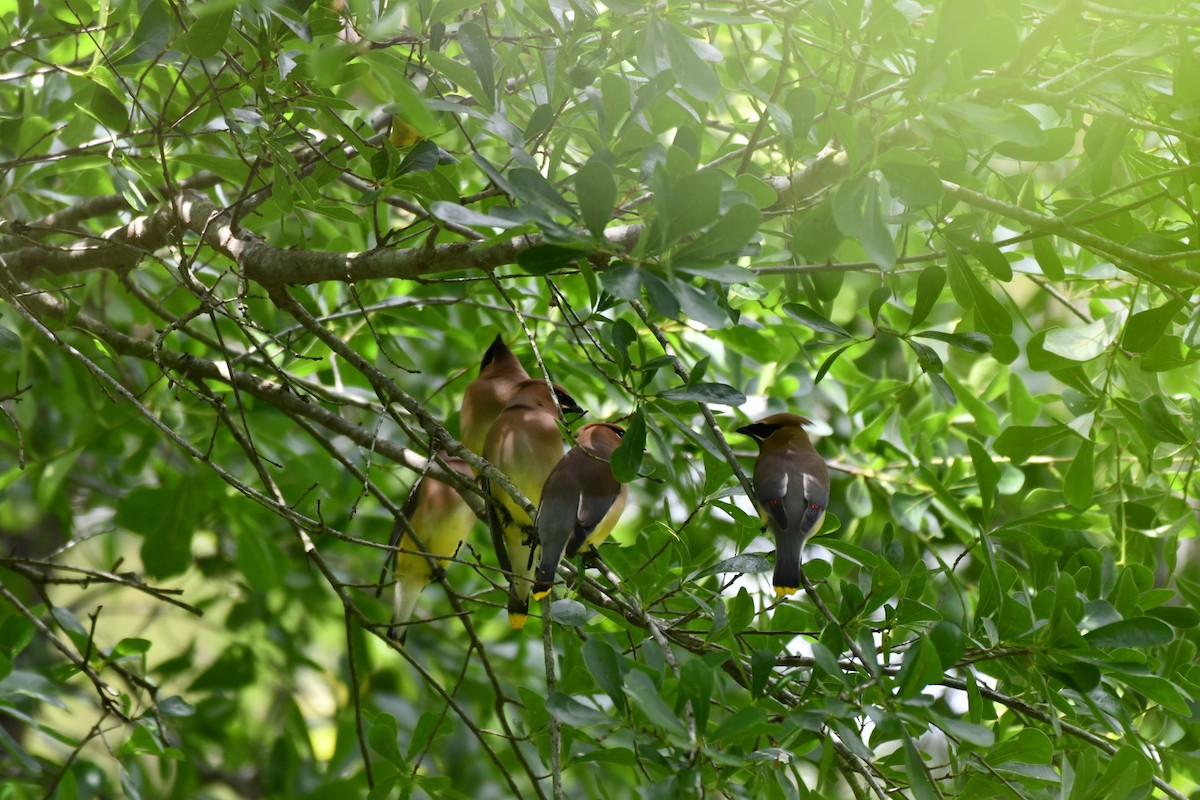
{"points": [[604, 665], [762, 667], [743, 563], [929, 289], [695, 202], [1161, 423], [1145, 328], [1019, 442], [596, 190], [1138, 632], [1079, 482], [570, 711], [626, 460], [971, 342], [827, 364], [475, 44], [461, 215], [645, 696], [542, 259], [714, 393], [208, 33], [1047, 258], [812, 319], [911, 179]]}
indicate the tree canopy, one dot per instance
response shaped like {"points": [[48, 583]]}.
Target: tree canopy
{"points": [[252, 252]]}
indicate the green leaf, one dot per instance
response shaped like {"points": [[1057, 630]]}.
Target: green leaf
{"points": [[695, 202], [646, 698], [971, 293], [828, 363], [384, 737], [478, 49], [762, 665], [1160, 423], [743, 724], [235, 668], [971, 342], [1137, 632], [1059, 142], [9, 341], [542, 259], [911, 179], [989, 256], [714, 393], [1146, 328], [1019, 442], [1047, 258], [570, 612], [806, 316], [743, 563], [919, 668], [461, 215], [1009, 123], [1085, 342], [259, 559], [733, 231], [626, 460], [692, 74], [596, 191], [929, 289], [206, 36], [1026, 745], [1161, 691], [570, 711], [604, 665], [696, 688], [1079, 481], [949, 641]]}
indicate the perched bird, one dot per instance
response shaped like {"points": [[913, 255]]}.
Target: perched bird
{"points": [[791, 483], [525, 444], [581, 501], [441, 519], [487, 395]]}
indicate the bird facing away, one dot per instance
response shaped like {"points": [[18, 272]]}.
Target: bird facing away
{"points": [[791, 483], [487, 395], [581, 501], [525, 444], [441, 519]]}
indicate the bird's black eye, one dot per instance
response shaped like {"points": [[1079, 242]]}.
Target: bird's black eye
{"points": [[620, 433]]}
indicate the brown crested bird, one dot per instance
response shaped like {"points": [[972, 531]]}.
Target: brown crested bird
{"points": [[441, 519], [791, 484], [525, 444], [581, 501], [487, 395]]}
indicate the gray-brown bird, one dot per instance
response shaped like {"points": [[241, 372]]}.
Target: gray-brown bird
{"points": [[487, 395], [581, 501], [441, 519], [525, 444], [791, 483]]}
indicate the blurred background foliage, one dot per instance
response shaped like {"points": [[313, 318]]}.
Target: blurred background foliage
{"points": [[245, 246]]}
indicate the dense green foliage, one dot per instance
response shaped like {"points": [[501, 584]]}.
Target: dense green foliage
{"points": [[235, 315]]}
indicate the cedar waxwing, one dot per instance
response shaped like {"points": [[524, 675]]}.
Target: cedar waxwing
{"points": [[791, 483], [525, 444], [487, 395], [581, 501], [441, 518]]}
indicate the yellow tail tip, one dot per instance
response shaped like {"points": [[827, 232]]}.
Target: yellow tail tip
{"points": [[517, 621], [540, 595], [784, 591]]}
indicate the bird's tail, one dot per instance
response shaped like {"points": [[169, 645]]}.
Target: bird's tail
{"points": [[787, 563]]}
